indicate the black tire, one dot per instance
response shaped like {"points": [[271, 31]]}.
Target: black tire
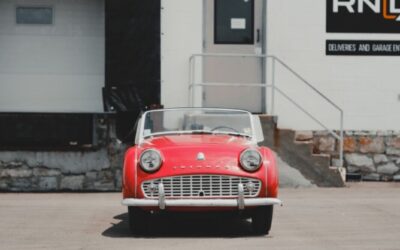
{"points": [[262, 220], [138, 221]]}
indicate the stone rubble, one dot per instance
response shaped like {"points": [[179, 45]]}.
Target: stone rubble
{"points": [[375, 155], [73, 182], [380, 158], [371, 177], [96, 169], [371, 145], [326, 144], [48, 183], [388, 169]]}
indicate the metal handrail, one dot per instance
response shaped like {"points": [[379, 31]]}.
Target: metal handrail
{"points": [[193, 85]]}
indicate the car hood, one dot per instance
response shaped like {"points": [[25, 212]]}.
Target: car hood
{"points": [[195, 140], [183, 151]]}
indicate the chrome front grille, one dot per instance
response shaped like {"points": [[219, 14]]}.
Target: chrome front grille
{"points": [[187, 186]]}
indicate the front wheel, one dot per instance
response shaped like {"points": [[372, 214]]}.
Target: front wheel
{"points": [[138, 220], [262, 220]]}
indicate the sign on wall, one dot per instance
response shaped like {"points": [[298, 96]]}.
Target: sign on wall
{"points": [[363, 16], [362, 48]]}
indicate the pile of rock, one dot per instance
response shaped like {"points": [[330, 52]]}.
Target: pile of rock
{"points": [[375, 155], [48, 171], [93, 169]]}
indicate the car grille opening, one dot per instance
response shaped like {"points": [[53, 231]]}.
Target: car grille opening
{"points": [[202, 186]]}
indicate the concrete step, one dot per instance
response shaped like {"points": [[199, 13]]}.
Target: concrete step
{"points": [[341, 170]]}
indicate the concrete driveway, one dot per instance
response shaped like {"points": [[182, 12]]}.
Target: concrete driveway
{"points": [[362, 216]]}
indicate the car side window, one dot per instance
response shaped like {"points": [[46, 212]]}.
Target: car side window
{"points": [[137, 135], [258, 128]]}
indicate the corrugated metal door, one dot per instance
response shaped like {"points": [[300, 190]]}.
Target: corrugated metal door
{"points": [[52, 55]]}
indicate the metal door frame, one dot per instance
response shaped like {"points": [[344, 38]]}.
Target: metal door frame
{"points": [[263, 43]]}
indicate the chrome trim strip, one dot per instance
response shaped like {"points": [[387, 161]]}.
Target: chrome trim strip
{"points": [[240, 200], [251, 202], [161, 196]]}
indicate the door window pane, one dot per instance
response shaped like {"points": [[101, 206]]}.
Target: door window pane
{"points": [[34, 15], [234, 22]]}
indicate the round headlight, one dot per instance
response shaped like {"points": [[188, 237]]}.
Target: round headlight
{"points": [[150, 160], [250, 160]]}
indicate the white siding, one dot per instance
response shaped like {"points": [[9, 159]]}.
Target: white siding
{"points": [[53, 68], [182, 36], [366, 88]]}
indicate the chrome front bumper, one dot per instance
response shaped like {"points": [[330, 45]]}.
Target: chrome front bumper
{"points": [[162, 203]]}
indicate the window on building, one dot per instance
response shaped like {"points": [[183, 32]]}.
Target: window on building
{"points": [[234, 22], [34, 15]]}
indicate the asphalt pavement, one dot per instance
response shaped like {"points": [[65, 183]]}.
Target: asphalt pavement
{"points": [[361, 216]]}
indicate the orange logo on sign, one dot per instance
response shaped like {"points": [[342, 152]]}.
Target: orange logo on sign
{"points": [[387, 14]]}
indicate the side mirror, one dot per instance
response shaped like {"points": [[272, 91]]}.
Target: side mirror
{"points": [[258, 128]]}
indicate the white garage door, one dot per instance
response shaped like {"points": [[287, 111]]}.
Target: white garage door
{"points": [[51, 55]]}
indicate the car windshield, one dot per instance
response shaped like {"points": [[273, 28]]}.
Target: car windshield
{"points": [[197, 121]]}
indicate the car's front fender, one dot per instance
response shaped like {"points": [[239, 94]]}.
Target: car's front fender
{"points": [[129, 173], [271, 171]]}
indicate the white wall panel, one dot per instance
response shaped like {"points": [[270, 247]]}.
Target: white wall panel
{"points": [[182, 36], [365, 87], [53, 68]]}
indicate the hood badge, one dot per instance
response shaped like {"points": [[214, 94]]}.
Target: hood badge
{"points": [[201, 156]]}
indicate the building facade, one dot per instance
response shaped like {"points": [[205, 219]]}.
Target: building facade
{"points": [[75, 74]]}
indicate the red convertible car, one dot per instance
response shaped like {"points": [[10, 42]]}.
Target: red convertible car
{"points": [[199, 160]]}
